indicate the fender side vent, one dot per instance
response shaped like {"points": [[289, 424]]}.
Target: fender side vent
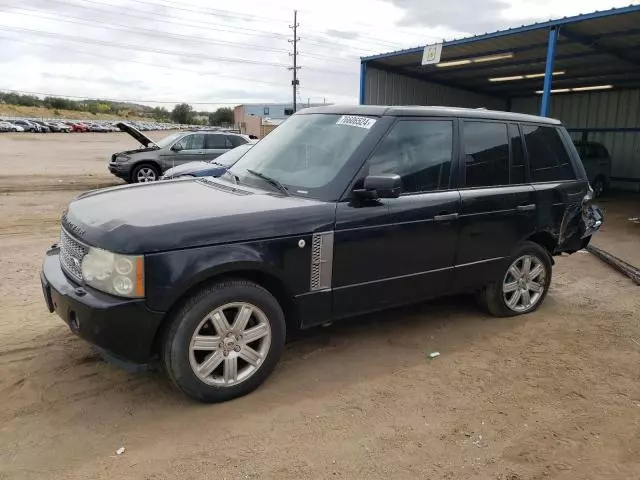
{"points": [[321, 260]]}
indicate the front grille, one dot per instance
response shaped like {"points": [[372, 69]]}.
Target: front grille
{"points": [[71, 254]]}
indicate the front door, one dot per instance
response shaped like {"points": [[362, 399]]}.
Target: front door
{"points": [[192, 149], [400, 250], [498, 203]]}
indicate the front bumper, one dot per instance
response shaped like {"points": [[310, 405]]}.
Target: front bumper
{"points": [[124, 328], [120, 170]]}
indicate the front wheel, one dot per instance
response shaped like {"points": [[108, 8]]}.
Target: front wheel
{"points": [[225, 341], [522, 287], [145, 173]]}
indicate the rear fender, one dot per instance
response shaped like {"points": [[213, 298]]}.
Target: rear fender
{"points": [[579, 223]]}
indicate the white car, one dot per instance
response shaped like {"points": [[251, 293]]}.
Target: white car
{"points": [[10, 127]]}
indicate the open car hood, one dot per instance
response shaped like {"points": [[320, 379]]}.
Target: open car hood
{"points": [[135, 133]]}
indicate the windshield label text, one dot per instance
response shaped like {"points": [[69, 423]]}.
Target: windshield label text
{"points": [[355, 121]]}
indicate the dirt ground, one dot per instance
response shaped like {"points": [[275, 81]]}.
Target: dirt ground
{"points": [[551, 395]]}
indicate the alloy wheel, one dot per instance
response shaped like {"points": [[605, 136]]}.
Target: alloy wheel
{"points": [[524, 283], [225, 353], [146, 174]]}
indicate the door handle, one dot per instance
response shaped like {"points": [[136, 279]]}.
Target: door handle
{"points": [[526, 208], [445, 217]]}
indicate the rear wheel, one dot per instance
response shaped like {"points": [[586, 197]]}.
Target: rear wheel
{"points": [[145, 173], [225, 341], [524, 284]]}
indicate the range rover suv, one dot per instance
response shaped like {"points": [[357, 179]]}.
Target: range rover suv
{"points": [[338, 212]]}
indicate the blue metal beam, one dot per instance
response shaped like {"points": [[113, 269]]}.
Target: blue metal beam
{"points": [[363, 81], [593, 42], [524, 28], [548, 72]]}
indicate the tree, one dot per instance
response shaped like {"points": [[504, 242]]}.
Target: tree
{"points": [[221, 117], [160, 114], [182, 113]]}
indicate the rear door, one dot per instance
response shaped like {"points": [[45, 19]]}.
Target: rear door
{"points": [[559, 185], [215, 145], [399, 250], [498, 203]]}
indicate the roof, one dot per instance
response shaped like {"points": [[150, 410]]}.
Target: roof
{"points": [[413, 111], [598, 48]]}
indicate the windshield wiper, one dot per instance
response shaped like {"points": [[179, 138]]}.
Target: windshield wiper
{"points": [[270, 180]]}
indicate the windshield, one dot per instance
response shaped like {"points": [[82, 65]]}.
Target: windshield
{"points": [[166, 141], [306, 153], [232, 156]]}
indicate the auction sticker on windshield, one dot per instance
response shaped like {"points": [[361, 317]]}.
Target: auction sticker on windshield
{"points": [[355, 121]]}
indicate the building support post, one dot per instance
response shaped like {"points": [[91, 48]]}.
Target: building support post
{"points": [[363, 81], [548, 72]]}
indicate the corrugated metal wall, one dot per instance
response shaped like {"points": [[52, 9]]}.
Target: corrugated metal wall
{"points": [[385, 88], [615, 109]]}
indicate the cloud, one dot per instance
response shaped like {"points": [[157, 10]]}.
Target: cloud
{"points": [[473, 16], [349, 35]]}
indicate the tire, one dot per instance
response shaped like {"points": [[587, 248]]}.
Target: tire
{"points": [[599, 186], [145, 172], [495, 299], [182, 359]]}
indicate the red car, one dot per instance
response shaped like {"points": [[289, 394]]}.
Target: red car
{"points": [[78, 127]]}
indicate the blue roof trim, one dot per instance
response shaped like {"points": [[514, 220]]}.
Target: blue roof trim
{"points": [[511, 31]]}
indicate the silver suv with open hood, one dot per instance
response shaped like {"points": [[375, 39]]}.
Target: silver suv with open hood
{"points": [[146, 164]]}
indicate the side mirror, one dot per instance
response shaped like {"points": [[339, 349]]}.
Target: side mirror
{"points": [[387, 185], [177, 147]]}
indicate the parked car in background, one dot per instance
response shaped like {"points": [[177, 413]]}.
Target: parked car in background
{"points": [[27, 125], [340, 211], [43, 126], [213, 168], [10, 127], [597, 163], [77, 126], [148, 163]]}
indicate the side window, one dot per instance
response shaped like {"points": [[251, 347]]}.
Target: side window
{"points": [[192, 142], [548, 158], [601, 151], [419, 151], [235, 141], [517, 168], [216, 141], [486, 153], [266, 111]]}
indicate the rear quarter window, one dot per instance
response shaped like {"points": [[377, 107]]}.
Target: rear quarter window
{"points": [[549, 159]]}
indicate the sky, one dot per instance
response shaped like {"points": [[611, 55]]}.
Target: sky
{"points": [[211, 53]]}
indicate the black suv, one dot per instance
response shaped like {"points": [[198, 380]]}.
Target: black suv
{"points": [[339, 211]]}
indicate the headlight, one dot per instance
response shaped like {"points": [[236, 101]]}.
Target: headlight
{"points": [[122, 158], [121, 275]]}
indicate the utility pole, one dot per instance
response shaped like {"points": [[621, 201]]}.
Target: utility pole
{"points": [[295, 82]]}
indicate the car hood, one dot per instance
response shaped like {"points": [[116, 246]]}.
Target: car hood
{"points": [[187, 213], [135, 133], [191, 167]]}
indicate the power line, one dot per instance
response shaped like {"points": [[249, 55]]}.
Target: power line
{"points": [[172, 68], [167, 35], [160, 51], [201, 25], [137, 30], [23, 92]]}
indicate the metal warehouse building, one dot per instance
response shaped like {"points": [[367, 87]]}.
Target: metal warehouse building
{"points": [[584, 70]]}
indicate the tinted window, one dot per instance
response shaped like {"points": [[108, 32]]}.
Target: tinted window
{"points": [[419, 151], [215, 142], [486, 153], [601, 151], [236, 140], [517, 170], [548, 157]]}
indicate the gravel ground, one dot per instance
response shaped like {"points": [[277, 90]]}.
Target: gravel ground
{"points": [[551, 395]]}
